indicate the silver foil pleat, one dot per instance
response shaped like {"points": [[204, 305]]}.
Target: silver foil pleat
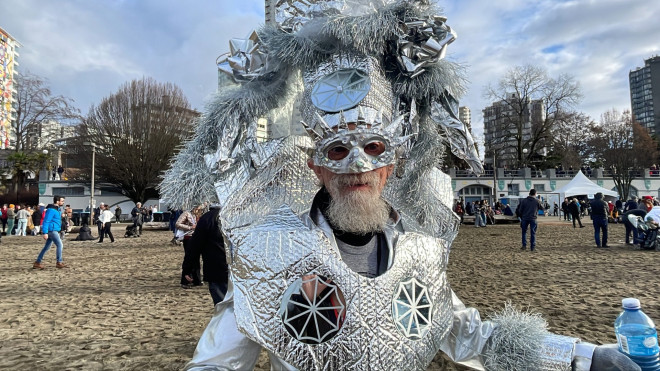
{"points": [[291, 15], [283, 178]]}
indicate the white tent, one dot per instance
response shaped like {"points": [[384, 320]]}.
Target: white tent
{"points": [[581, 185]]}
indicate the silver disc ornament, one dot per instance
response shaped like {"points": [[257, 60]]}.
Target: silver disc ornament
{"points": [[341, 90]]}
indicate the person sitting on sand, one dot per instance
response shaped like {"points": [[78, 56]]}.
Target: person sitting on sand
{"points": [[85, 234]]}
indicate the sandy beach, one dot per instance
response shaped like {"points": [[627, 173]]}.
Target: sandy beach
{"points": [[120, 307]]}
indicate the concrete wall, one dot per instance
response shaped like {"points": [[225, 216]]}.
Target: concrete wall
{"points": [[80, 202]]}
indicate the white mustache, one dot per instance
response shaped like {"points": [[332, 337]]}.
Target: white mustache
{"points": [[349, 180]]}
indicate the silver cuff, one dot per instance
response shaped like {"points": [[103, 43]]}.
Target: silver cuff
{"points": [[582, 356], [557, 353]]}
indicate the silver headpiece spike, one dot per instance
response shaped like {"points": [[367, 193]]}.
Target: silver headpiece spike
{"points": [[324, 125], [379, 119], [342, 121], [396, 125], [311, 132]]}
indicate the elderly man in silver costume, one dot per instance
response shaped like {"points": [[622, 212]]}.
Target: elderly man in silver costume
{"points": [[351, 275]]}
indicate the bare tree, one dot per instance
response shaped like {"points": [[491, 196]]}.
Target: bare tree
{"points": [[23, 164], [35, 104], [571, 137], [136, 131], [624, 146], [529, 104]]}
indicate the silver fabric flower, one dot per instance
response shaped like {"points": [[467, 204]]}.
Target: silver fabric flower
{"points": [[246, 59], [423, 42]]}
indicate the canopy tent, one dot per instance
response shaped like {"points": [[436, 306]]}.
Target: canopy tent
{"points": [[581, 185]]}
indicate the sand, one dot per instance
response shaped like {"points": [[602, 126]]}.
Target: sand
{"points": [[120, 307]]}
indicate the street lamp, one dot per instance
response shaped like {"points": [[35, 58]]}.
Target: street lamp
{"points": [[91, 197], [525, 150], [45, 152], [494, 176]]}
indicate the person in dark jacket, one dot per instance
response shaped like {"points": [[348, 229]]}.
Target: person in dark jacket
{"points": [[136, 215], [564, 209], [207, 240], [85, 234], [574, 209], [630, 229], [36, 219], [599, 213], [117, 214], [631, 204], [527, 211]]}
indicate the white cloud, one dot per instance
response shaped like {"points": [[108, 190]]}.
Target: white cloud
{"points": [[600, 42], [88, 48]]}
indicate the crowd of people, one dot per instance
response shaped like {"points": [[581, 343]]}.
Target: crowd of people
{"points": [[26, 220], [483, 212], [572, 209]]}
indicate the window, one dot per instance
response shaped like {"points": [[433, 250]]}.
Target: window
{"points": [[69, 191], [539, 187], [513, 189]]}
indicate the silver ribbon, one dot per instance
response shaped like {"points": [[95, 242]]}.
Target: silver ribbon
{"points": [[246, 59], [423, 42]]}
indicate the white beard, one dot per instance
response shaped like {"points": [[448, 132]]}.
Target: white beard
{"points": [[361, 211]]}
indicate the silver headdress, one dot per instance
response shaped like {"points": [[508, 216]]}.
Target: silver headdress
{"points": [[362, 62]]}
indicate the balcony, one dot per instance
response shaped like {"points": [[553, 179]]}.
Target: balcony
{"points": [[526, 172]]}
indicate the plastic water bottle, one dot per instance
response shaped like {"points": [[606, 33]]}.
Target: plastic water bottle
{"points": [[636, 336]]}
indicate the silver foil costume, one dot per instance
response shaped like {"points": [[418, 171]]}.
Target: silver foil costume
{"points": [[378, 66]]}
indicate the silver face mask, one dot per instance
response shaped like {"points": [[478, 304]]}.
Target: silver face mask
{"points": [[355, 151]]}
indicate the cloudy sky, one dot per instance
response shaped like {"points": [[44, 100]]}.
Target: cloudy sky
{"points": [[88, 48]]}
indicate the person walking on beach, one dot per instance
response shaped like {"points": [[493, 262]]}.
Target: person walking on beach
{"points": [[599, 212], [97, 218], [527, 211], [52, 223], [207, 240], [574, 209], [137, 216], [106, 221]]}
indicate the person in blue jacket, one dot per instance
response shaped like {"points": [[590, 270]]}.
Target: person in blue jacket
{"points": [[51, 227]]}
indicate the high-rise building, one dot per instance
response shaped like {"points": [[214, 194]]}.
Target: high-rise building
{"points": [[48, 134], [8, 55], [262, 130], [645, 95], [270, 11], [500, 129], [43, 134], [464, 116]]}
